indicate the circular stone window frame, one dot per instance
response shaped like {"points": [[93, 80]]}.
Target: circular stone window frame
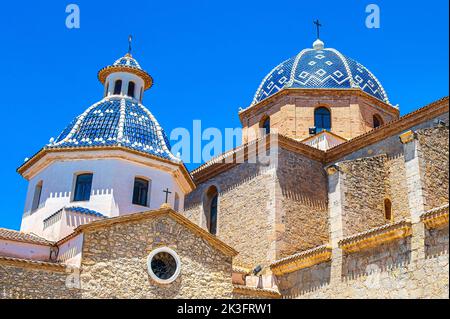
{"points": [[150, 270]]}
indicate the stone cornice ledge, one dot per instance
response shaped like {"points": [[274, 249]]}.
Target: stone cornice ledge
{"points": [[34, 264], [376, 236], [436, 218], [301, 260], [241, 270], [256, 292]]}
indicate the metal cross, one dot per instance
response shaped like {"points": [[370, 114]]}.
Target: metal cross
{"points": [[167, 195], [318, 25], [130, 40]]}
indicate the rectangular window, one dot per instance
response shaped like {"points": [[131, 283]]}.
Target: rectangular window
{"points": [[37, 197], [140, 192], [83, 188]]}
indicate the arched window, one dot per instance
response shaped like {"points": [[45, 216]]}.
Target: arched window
{"points": [[211, 208], [140, 192], [377, 121], [118, 87], [388, 209], [37, 197], [322, 119], [83, 187], [265, 125], [131, 87], [177, 203]]}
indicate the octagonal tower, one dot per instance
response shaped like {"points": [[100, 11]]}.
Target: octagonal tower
{"points": [[111, 160]]}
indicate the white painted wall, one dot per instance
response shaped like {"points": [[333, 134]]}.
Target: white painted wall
{"points": [[24, 250], [70, 252], [112, 189], [126, 78]]}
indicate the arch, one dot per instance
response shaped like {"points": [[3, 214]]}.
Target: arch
{"points": [[322, 119], [377, 121], [117, 87], [83, 187], [210, 209], [141, 191], [388, 209], [264, 125], [131, 88], [141, 94], [37, 196]]}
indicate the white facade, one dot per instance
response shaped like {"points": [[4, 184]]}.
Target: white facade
{"points": [[112, 189]]}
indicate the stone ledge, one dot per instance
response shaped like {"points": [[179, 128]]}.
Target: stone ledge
{"points": [[301, 260], [241, 270], [256, 292], [376, 236], [27, 263], [436, 218]]}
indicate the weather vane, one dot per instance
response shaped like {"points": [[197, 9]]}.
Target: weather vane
{"points": [[130, 40], [318, 25]]}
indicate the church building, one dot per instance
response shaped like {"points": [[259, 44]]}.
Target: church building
{"points": [[352, 203]]}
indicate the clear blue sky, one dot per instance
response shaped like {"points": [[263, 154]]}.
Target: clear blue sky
{"points": [[207, 59]]}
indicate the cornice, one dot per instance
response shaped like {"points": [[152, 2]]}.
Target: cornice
{"points": [[163, 211], [22, 170], [376, 237], [318, 92], [26, 263], [256, 292], [105, 72], [436, 218], [302, 260], [392, 128]]}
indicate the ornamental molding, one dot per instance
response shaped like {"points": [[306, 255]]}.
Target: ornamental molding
{"points": [[47, 156], [436, 218], [302, 260], [254, 109], [170, 213], [408, 137], [256, 292], [241, 270], [376, 237], [33, 264], [105, 72]]}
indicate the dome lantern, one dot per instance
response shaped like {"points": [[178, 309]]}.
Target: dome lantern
{"points": [[125, 77]]}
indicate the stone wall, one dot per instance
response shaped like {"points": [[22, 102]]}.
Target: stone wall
{"points": [[434, 162], [246, 211], [114, 262], [387, 271], [364, 193], [396, 188], [31, 282], [302, 221]]}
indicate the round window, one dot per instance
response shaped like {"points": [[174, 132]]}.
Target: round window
{"points": [[163, 265]]}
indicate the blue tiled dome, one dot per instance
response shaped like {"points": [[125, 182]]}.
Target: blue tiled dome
{"points": [[320, 68], [127, 60], [116, 121]]}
